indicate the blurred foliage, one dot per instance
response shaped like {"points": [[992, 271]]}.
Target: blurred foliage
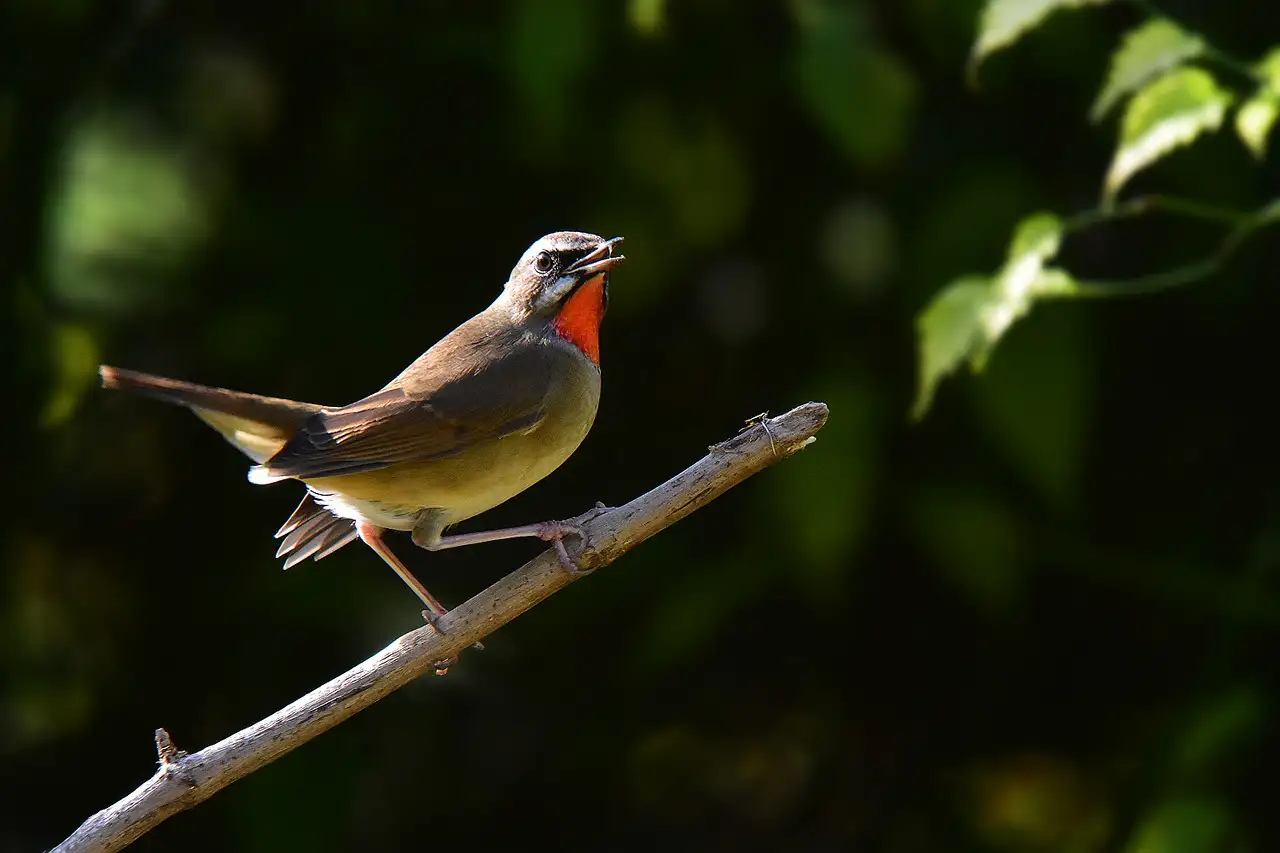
{"points": [[1003, 22], [1257, 116], [1169, 106], [1148, 50], [1043, 618]]}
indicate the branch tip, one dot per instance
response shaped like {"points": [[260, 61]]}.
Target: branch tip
{"points": [[165, 748]]}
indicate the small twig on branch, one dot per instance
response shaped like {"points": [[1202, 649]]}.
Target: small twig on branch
{"points": [[184, 780]]}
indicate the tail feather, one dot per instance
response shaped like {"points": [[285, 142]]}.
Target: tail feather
{"points": [[336, 539], [307, 509], [313, 531], [259, 426], [304, 533]]}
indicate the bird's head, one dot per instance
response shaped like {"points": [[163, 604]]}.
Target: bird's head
{"points": [[563, 280]]}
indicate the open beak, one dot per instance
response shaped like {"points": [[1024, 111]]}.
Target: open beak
{"points": [[600, 259]]}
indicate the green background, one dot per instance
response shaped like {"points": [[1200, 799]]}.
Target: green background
{"points": [[1043, 619]]}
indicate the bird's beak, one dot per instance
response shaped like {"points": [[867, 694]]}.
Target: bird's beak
{"points": [[600, 259]]}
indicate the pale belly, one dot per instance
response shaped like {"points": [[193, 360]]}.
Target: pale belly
{"points": [[470, 483]]}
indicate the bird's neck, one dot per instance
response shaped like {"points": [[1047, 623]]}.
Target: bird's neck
{"points": [[578, 320]]}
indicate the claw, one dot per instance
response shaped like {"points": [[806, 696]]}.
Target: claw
{"points": [[554, 532], [567, 563]]}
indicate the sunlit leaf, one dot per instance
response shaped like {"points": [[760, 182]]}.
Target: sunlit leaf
{"points": [[948, 331], [1148, 50], [1167, 113], [1037, 237], [968, 213], [1269, 69], [1254, 121], [1035, 240], [967, 319], [1257, 116], [1005, 21]]}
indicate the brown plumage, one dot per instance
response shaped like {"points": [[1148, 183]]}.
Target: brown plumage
{"points": [[493, 407]]}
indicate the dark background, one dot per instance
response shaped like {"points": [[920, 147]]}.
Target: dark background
{"points": [[1044, 619]]}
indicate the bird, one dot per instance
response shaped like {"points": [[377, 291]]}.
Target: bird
{"points": [[487, 411]]}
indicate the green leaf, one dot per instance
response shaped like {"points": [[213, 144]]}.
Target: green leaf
{"points": [[1254, 121], [1167, 113], [1268, 68], [967, 319], [1005, 21], [1257, 116], [1148, 50], [1053, 282], [1022, 279], [948, 331], [1038, 236]]}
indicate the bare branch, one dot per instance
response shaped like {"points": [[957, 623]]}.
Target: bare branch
{"points": [[183, 780]]}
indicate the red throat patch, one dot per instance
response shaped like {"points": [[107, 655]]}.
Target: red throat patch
{"points": [[579, 319]]}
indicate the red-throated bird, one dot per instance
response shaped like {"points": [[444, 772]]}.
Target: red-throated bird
{"points": [[492, 408]]}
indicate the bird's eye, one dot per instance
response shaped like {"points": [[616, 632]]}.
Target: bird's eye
{"points": [[544, 262]]}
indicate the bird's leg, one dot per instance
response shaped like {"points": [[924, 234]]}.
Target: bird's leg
{"points": [[371, 535], [427, 535]]}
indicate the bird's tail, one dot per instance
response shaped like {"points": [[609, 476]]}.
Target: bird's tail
{"points": [[313, 531], [259, 426]]}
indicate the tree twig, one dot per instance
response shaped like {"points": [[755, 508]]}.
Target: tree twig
{"points": [[183, 779], [1246, 225]]}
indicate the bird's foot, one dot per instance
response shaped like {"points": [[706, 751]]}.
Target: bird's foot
{"points": [[555, 532]]}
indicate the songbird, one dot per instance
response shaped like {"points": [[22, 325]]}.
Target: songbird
{"points": [[489, 410]]}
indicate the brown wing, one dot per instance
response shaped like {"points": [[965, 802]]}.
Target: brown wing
{"points": [[431, 420]]}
